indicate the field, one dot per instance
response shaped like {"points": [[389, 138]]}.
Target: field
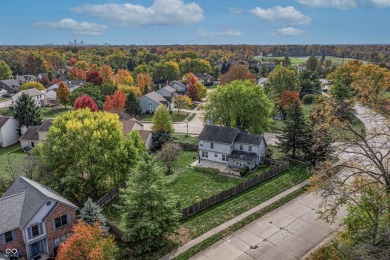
{"points": [[302, 60]]}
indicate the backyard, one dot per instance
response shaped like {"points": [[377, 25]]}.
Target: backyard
{"points": [[14, 151], [46, 112]]}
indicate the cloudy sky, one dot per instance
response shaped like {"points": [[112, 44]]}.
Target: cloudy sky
{"points": [[195, 21]]}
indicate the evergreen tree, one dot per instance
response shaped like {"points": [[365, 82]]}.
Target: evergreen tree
{"points": [[92, 213], [149, 210], [293, 139], [26, 111], [132, 106], [286, 61]]}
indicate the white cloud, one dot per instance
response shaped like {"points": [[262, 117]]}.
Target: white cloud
{"points": [[83, 28], [235, 10], [286, 14], [379, 3], [289, 31], [229, 32], [338, 4], [162, 12]]}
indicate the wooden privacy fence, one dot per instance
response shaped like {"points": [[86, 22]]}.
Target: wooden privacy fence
{"points": [[115, 231], [103, 201], [206, 203]]}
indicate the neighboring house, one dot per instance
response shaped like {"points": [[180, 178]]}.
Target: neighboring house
{"points": [[10, 85], [72, 85], [37, 95], [151, 101], [205, 79], [26, 78], [134, 125], [179, 86], [3, 92], [34, 134], [50, 98], [43, 75], [8, 131], [34, 219], [167, 92], [231, 146], [261, 81]]}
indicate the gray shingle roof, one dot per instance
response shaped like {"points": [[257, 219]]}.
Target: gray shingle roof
{"points": [[3, 120], [242, 156], [26, 206], [128, 125], [219, 134], [249, 139], [31, 134], [46, 124], [169, 89], [156, 97]]}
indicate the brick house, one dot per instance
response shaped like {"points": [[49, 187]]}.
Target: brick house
{"points": [[34, 219]]}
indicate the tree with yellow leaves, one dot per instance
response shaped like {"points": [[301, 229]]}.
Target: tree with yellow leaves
{"points": [[124, 77]]}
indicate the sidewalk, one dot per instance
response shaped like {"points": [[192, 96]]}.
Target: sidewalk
{"points": [[231, 222]]}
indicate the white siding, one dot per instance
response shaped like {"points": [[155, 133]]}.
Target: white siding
{"points": [[218, 147], [148, 142], [8, 133], [255, 148]]}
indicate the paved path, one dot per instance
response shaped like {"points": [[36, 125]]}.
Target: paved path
{"points": [[290, 231], [232, 222]]}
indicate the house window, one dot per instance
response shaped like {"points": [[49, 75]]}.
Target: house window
{"points": [[61, 221], [150, 109], [250, 148], [32, 144], [201, 143], [205, 154], [212, 145], [35, 231], [61, 239], [150, 103], [241, 147], [8, 237], [224, 157], [215, 155]]}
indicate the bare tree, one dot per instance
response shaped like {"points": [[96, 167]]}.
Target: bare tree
{"points": [[168, 154]]}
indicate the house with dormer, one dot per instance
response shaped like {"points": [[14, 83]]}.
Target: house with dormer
{"points": [[34, 219], [231, 146]]}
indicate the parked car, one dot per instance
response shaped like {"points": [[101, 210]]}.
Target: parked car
{"points": [[7, 95]]}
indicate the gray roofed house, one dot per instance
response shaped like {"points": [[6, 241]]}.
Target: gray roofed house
{"points": [[231, 146], [11, 85], [134, 125], [37, 95], [29, 138], [30, 217], [151, 101], [26, 78], [179, 86], [218, 134]]}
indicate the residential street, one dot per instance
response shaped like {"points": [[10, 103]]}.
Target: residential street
{"points": [[290, 231]]}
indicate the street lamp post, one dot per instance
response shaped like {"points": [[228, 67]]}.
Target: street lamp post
{"points": [[186, 121]]}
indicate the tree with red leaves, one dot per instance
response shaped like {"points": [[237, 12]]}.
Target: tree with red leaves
{"points": [[288, 98], [94, 77], [115, 103], [84, 102], [87, 242]]}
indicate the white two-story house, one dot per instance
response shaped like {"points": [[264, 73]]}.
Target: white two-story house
{"points": [[231, 146], [37, 95]]}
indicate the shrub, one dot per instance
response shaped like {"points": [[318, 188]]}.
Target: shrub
{"points": [[309, 99], [206, 170], [244, 171]]}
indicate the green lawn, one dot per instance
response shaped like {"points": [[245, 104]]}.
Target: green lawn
{"points": [[175, 117], [302, 60], [212, 86], [46, 112], [9, 149], [13, 151], [278, 125], [345, 136], [183, 139], [224, 211]]}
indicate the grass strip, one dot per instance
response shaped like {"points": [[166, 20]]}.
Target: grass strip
{"points": [[211, 240]]}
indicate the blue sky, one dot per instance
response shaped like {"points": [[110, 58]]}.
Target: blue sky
{"points": [[195, 22]]}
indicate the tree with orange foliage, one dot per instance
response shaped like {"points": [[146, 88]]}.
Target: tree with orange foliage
{"points": [[72, 62], [239, 72], [115, 103], [123, 77], [144, 83], [288, 98], [107, 74], [77, 73], [193, 92], [84, 102], [63, 94], [87, 242]]}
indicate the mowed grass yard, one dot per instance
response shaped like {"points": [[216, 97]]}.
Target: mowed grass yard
{"points": [[46, 112], [14, 151]]}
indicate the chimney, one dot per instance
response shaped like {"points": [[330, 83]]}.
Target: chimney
{"points": [[23, 129], [209, 121]]}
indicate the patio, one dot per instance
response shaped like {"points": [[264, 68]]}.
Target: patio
{"points": [[222, 167]]}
